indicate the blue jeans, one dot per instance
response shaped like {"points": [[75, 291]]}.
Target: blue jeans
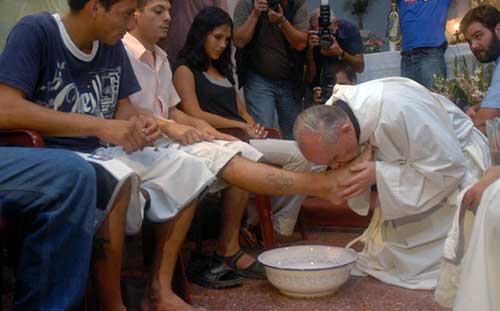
{"points": [[265, 96], [52, 193], [423, 64]]}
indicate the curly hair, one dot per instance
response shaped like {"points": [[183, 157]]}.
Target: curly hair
{"points": [[487, 15], [193, 52]]}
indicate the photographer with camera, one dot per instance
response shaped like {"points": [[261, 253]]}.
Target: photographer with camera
{"points": [[269, 37], [333, 44]]}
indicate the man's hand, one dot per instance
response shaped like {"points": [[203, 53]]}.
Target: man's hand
{"points": [[473, 196], [150, 128], [472, 111], [256, 131], [317, 98], [276, 17], [334, 50], [313, 38], [184, 134], [209, 133], [259, 6], [126, 133], [364, 177]]}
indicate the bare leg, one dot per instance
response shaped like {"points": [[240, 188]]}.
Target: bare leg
{"points": [[266, 179], [235, 203], [107, 254], [170, 236]]}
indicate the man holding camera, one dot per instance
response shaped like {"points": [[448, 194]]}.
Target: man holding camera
{"points": [[269, 36], [333, 44]]}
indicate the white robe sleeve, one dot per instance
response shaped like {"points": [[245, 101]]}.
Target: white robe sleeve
{"points": [[419, 159]]}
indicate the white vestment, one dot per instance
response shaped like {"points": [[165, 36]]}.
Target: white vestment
{"points": [[427, 151], [480, 276]]}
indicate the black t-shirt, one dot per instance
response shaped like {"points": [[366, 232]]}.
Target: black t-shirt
{"points": [[214, 98], [349, 39]]}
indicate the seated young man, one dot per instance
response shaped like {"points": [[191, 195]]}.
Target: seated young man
{"points": [[56, 190], [69, 79]]}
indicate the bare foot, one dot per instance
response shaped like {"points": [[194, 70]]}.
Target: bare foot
{"points": [[153, 301]]}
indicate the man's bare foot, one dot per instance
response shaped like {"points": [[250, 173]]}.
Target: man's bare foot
{"points": [[168, 301]]}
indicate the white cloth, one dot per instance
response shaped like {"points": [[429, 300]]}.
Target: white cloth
{"points": [[421, 165], [480, 276], [215, 155], [121, 173], [171, 177]]}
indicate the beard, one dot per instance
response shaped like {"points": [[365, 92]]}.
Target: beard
{"points": [[491, 52]]}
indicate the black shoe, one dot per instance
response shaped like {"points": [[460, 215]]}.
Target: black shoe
{"points": [[254, 271], [214, 273]]}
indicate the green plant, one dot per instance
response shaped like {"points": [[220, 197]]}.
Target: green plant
{"points": [[358, 8], [468, 87]]}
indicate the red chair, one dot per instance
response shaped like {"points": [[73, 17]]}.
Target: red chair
{"points": [[28, 138]]}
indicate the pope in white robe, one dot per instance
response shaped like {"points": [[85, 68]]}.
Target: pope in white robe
{"points": [[426, 152]]}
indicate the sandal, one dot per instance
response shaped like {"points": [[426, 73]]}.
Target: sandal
{"points": [[215, 273], [254, 271]]}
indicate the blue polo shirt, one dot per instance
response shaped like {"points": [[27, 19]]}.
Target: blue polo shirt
{"points": [[423, 22], [492, 99]]}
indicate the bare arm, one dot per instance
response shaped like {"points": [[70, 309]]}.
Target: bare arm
{"points": [[243, 34], [17, 112], [484, 114], [296, 38], [357, 62]]}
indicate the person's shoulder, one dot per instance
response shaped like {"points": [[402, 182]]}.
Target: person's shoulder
{"points": [[40, 22], [182, 62], [347, 25]]}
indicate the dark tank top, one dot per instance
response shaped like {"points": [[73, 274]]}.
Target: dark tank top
{"points": [[214, 96]]}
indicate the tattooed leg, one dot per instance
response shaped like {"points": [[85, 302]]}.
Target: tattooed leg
{"points": [[107, 256]]}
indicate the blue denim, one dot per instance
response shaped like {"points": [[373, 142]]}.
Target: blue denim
{"points": [[265, 96], [424, 65], [52, 194]]}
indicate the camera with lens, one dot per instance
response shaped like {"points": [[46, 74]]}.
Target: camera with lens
{"points": [[324, 20], [273, 4]]}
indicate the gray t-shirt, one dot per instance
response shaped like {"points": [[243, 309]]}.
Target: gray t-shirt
{"points": [[270, 57]]}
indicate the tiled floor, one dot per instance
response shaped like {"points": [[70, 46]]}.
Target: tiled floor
{"points": [[358, 294]]}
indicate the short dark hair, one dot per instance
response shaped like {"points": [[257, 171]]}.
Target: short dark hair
{"points": [[77, 5], [349, 72], [141, 4], [487, 15]]}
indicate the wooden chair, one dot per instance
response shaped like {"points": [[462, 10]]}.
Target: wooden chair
{"points": [[28, 138]]}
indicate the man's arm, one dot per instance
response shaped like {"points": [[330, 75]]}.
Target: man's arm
{"points": [[484, 114], [473, 196], [243, 32], [19, 113], [296, 38]]}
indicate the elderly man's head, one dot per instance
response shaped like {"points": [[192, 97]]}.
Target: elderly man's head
{"points": [[326, 136], [313, 19], [481, 28]]}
